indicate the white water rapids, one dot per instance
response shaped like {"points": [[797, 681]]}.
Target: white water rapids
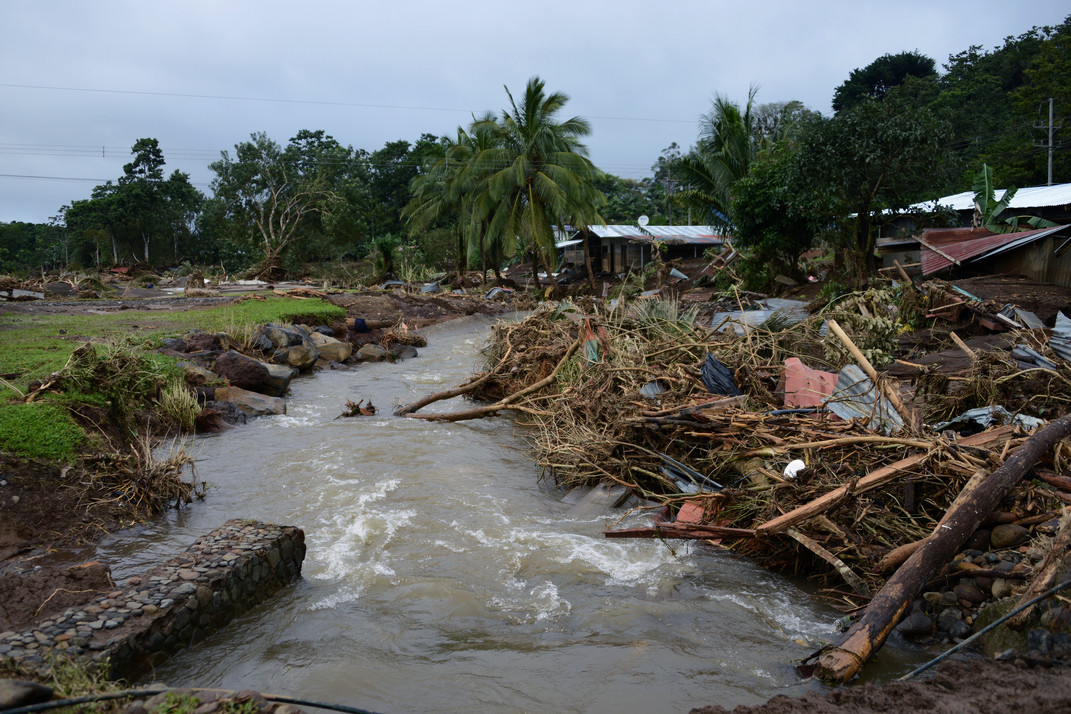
{"points": [[442, 576]]}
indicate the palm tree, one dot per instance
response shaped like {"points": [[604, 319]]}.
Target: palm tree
{"points": [[722, 157], [536, 175]]}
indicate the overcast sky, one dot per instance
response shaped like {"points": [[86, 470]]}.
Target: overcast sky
{"points": [[81, 81]]}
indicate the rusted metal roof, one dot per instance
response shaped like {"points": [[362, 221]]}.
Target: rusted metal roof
{"points": [[703, 235], [940, 247]]}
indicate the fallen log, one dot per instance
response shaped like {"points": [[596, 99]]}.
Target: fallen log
{"points": [[691, 531], [896, 557], [866, 636], [506, 402], [473, 384], [875, 479]]}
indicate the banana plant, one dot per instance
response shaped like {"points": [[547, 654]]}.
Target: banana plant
{"points": [[988, 210]]}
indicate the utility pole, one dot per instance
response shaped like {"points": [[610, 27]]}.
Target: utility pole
{"points": [[1051, 126]]}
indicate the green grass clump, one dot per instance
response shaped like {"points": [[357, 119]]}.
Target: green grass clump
{"points": [[44, 431]]}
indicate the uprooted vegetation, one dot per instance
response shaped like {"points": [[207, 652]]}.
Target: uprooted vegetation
{"points": [[619, 395]]}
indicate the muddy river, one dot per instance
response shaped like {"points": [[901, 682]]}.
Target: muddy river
{"points": [[441, 574]]}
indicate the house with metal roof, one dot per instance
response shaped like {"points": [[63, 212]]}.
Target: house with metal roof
{"points": [[1042, 254], [619, 248]]}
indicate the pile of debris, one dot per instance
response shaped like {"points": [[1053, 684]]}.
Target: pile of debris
{"points": [[779, 439]]}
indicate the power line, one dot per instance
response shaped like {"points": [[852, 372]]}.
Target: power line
{"points": [[317, 102]]}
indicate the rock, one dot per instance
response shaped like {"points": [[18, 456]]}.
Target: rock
{"points": [[251, 404], [979, 540], [403, 351], [958, 630], [280, 336], [948, 617], [302, 356], [261, 343], [20, 693], [174, 344], [372, 353], [1056, 618], [330, 348], [197, 375], [204, 342], [245, 373], [1008, 535], [229, 413], [917, 624], [949, 598], [934, 598], [1001, 588], [280, 376], [969, 592], [324, 330]]}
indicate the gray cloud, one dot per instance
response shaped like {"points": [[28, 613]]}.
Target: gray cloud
{"points": [[623, 63]]}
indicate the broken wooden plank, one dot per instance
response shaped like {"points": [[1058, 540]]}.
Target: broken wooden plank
{"points": [[875, 479], [869, 632], [682, 532]]}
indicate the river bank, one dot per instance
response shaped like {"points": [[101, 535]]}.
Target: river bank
{"points": [[431, 388]]}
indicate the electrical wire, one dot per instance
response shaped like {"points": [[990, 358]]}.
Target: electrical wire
{"points": [[940, 658], [140, 693]]}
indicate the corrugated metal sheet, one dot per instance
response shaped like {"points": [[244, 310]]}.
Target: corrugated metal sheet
{"points": [[965, 244], [1029, 197], [702, 235]]}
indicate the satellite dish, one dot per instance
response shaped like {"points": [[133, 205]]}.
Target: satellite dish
{"points": [[643, 221]]}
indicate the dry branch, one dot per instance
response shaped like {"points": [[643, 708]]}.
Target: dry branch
{"points": [[868, 634], [873, 480]]}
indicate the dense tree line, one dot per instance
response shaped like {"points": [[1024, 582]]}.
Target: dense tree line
{"points": [[780, 177]]}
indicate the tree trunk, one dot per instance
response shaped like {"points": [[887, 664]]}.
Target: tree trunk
{"points": [[868, 634], [535, 268], [587, 262]]}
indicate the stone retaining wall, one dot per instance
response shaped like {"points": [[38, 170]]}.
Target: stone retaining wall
{"points": [[222, 575]]}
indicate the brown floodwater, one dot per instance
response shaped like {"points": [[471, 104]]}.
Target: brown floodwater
{"points": [[443, 576]]}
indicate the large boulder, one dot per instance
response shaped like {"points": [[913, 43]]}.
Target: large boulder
{"points": [[245, 372], [280, 336], [280, 376], [330, 348], [302, 356], [372, 353], [250, 403], [197, 375]]}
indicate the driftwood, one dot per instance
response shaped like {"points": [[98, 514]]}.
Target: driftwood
{"points": [[890, 391], [847, 573], [475, 383], [681, 531], [867, 635], [875, 479], [506, 402], [897, 556]]}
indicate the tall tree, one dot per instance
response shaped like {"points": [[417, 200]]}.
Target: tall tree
{"points": [[872, 158], [726, 146], [876, 79], [538, 174], [264, 191]]}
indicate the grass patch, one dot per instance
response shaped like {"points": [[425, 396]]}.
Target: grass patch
{"points": [[119, 372], [37, 345], [44, 431]]}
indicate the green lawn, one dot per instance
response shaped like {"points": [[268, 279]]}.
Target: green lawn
{"points": [[34, 346]]}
